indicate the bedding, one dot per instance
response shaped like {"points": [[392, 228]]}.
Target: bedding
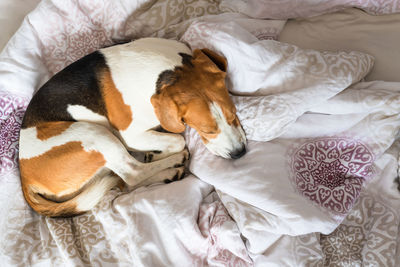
{"points": [[12, 13], [317, 186], [286, 9], [351, 29]]}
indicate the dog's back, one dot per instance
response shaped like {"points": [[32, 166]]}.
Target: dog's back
{"points": [[118, 77]]}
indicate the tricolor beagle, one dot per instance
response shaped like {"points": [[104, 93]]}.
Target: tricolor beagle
{"points": [[79, 127]]}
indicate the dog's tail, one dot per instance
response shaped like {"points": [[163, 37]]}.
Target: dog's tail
{"points": [[85, 200]]}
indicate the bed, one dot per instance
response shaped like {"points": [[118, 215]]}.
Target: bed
{"points": [[317, 90]]}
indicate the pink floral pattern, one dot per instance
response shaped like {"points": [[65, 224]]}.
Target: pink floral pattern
{"points": [[331, 171], [367, 237], [347, 250], [68, 30], [12, 109], [197, 36], [285, 9], [212, 221], [268, 33], [77, 28], [202, 34]]}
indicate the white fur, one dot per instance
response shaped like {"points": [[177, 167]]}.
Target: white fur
{"points": [[84, 132], [167, 143], [92, 136], [82, 113], [229, 139], [95, 191], [95, 137], [135, 68]]}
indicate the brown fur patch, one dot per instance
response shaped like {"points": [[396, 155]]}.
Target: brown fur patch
{"points": [[49, 208], [65, 168], [185, 95], [119, 114], [46, 130]]}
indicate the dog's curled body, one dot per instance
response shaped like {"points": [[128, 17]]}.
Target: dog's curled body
{"points": [[79, 126]]}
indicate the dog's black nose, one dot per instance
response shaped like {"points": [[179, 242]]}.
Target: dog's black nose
{"points": [[238, 153]]}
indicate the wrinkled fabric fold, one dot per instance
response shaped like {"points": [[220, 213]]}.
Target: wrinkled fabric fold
{"points": [[322, 156]]}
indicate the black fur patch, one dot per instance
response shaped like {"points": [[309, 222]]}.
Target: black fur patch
{"points": [[186, 59], [176, 177], [77, 84], [169, 77], [148, 157]]}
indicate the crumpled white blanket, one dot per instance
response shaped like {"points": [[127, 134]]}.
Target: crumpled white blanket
{"points": [[310, 174], [293, 184]]}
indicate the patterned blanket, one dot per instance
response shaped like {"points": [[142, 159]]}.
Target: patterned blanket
{"points": [[317, 187]]}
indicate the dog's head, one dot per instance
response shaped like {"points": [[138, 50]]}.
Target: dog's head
{"points": [[196, 94]]}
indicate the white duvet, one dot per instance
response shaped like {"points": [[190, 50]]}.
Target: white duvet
{"points": [[311, 172], [318, 179]]}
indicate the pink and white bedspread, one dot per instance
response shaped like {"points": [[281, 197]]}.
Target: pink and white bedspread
{"points": [[318, 186]]}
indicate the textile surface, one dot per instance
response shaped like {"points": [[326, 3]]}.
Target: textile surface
{"points": [[335, 141]]}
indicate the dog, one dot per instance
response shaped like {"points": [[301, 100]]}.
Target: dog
{"points": [[80, 127]]}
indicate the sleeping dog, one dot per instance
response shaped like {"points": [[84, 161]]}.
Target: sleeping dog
{"points": [[81, 125]]}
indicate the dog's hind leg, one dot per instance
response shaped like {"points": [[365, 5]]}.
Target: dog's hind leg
{"points": [[89, 138], [130, 170], [66, 167]]}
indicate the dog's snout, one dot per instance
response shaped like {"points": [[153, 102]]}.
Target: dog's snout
{"points": [[238, 153]]}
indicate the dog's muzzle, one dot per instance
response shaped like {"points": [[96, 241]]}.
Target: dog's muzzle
{"points": [[238, 153], [229, 144]]}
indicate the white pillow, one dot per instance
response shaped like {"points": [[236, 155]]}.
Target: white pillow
{"points": [[285, 9], [292, 80], [348, 30]]}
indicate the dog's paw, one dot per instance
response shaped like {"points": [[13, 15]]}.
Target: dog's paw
{"points": [[183, 156], [156, 155], [166, 176], [179, 175], [152, 156]]}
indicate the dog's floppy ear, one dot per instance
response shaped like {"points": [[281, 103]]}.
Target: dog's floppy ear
{"points": [[167, 112], [218, 60]]}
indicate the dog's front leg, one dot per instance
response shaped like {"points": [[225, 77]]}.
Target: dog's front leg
{"points": [[172, 143], [165, 176], [134, 172], [159, 145]]}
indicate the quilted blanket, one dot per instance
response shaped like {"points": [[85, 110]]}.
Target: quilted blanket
{"points": [[318, 186]]}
